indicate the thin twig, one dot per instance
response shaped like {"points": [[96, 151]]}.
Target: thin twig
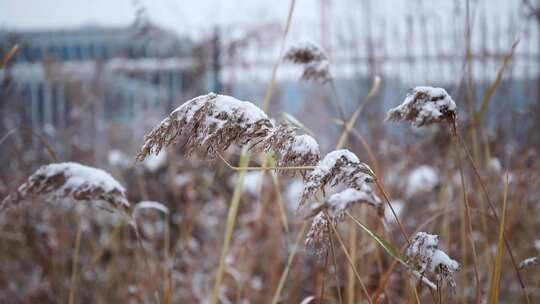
{"points": [[385, 196], [264, 168]]}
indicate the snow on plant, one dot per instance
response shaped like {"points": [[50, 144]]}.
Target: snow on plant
{"points": [[312, 58], [424, 106], [433, 262], [212, 123], [421, 179], [340, 167], [73, 182], [340, 202], [528, 262], [290, 149], [337, 167], [208, 124]]}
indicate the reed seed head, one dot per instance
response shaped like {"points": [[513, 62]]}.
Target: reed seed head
{"points": [[337, 167], [433, 262], [290, 149], [208, 124], [342, 201], [318, 236], [313, 59], [424, 106], [73, 182]]}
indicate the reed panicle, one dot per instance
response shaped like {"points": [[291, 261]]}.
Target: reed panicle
{"points": [[337, 167], [72, 182], [424, 106], [313, 59], [209, 124], [432, 262]]}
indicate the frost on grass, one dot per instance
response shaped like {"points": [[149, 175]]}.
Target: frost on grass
{"points": [[432, 262], [424, 106], [312, 58], [318, 236], [73, 182], [337, 167], [528, 262], [208, 124]]}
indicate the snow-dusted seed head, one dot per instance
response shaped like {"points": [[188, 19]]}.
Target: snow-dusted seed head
{"points": [[423, 251], [528, 262], [318, 236], [424, 106], [208, 124], [73, 182], [340, 202], [291, 149], [337, 167], [312, 58]]}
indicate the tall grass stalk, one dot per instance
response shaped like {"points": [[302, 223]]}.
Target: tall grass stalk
{"points": [[244, 161], [74, 265], [468, 218], [494, 213], [231, 220], [497, 265], [351, 262], [283, 278]]}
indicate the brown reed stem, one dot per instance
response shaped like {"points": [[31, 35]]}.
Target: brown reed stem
{"points": [[336, 270], [73, 288], [492, 208], [385, 196], [468, 218], [351, 263]]}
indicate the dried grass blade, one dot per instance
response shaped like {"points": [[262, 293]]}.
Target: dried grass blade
{"points": [[497, 265]]}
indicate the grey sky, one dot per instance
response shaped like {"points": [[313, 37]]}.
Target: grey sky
{"points": [[188, 16]]}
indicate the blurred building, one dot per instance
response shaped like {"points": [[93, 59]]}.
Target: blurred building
{"points": [[116, 73], [94, 88]]}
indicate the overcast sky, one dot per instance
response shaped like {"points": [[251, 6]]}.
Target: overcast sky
{"points": [[188, 16]]}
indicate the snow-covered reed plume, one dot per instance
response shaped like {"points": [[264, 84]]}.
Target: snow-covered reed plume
{"points": [[425, 253], [289, 148], [340, 202], [72, 182], [211, 123], [424, 106], [318, 236], [337, 167], [528, 262], [208, 124], [312, 58]]}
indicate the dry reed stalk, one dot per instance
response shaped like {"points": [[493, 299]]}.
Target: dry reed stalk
{"points": [[469, 226], [8, 56], [351, 263], [498, 263]]}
